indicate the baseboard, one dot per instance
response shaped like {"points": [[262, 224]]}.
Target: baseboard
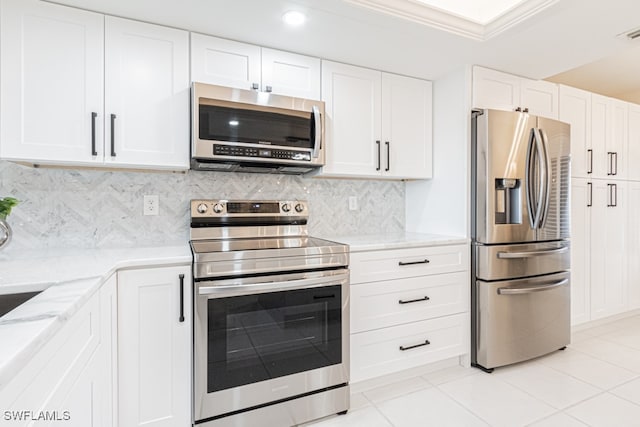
{"points": [[604, 321]]}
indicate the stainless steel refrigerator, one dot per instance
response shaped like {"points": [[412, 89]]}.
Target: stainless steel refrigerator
{"points": [[520, 230]]}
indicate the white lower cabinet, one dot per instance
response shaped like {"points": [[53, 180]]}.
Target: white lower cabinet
{"points": [[154, 347], [633, 245], [581, 203], [72, 378], [409, 307]]}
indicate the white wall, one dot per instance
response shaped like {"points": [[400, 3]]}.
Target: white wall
{"points": [[441, 205]]}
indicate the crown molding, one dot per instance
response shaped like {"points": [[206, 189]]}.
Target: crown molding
{"points": [[421, 13]]}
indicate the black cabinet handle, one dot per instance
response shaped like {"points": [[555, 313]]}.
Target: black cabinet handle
{"points": [[378, 144], [614, 199], [113, 135], [610, 195], [426, 298], [424, 261], [388, 158], [93, 134], [590, 202], [615, 163], [426, 342], [181, 319], [610, 161], [590, 152]]}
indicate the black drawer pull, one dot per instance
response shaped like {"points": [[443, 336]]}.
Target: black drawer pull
{"points": [[181, 277], [426, 342], [426, 298], [424, 261]]}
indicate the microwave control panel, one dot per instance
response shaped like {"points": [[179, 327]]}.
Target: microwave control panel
{"points": [[268, 153]]}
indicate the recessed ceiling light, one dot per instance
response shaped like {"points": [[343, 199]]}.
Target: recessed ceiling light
{"points": [[294, 18]]}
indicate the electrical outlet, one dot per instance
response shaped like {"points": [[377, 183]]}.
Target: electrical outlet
{"points": [[151, 205], [353, 203]]}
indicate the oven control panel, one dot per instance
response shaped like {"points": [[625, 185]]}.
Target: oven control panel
{"points": [[248, 208]]}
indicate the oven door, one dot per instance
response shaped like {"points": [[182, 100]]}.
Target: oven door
{"points": [[269, 338]]}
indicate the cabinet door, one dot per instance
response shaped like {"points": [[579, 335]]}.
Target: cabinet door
{"points": [[494, 89], [154, 347], [633, 147], [608, 249], [51, 81], [600, 135], [581, 202], [147, 95], [540, 97], [352, 120], [224, 62], [575, 109], [406, 127], [289, 74], [633, 245], [619, 138]]}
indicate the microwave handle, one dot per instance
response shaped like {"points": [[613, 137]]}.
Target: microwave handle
{"points": [[317, 142]]}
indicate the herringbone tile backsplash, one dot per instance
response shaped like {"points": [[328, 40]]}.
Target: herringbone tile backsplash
{"points": [[73, 208]]}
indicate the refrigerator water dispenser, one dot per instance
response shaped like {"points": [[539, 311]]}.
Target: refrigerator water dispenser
{"points": [[508, 201]]}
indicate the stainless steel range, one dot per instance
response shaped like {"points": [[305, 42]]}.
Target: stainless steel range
{"points": [[271, 324]]}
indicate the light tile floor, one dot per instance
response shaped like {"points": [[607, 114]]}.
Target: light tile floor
{"points": [[594, 382]]}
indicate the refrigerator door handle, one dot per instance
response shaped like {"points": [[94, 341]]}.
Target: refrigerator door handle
{"points": [[531, 254], [545, 177], [540, 155], [531, 289], [529, 182]]}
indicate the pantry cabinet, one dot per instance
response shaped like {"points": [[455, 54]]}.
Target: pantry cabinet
{"points": [[154, 347], [79, 88], [575, 109], [633, 245], [609, 136], [633, 146], [377, 125], [245, 66], [581, 203], [409, 307], [503, 91]]}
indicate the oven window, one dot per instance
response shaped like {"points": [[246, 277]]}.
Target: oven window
{"points": [[258, 337], [236, 125]]}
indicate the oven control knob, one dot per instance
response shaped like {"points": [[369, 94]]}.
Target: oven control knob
{"points": [[286, 207], [202, 208], [299, 207], [217, 208]]}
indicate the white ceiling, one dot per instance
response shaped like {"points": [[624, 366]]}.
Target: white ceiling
{"points": [[564, 36]]}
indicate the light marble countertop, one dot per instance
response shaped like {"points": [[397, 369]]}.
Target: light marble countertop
{"points": [[377, 242], [70, 278]]}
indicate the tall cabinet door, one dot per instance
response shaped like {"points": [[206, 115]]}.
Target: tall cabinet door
{"points": [[619, 138], [224, 62], [406, 127], [633, 245], [575, 109], [581, 202], [147, 94], [600, 135], [51, 76], [608, 248], [154, 347], [290, 74], [352, 97]]}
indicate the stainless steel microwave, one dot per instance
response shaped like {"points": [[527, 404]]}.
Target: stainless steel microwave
{"points": [[250, 131]]}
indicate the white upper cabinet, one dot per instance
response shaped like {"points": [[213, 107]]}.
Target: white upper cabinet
{"points": [[68, 78], [503, 91], [51, 74], [406, 127], [353, 128], [377, 125], [146, 95], [245, 66], [609, 136], [633, 147], [575, 109]]}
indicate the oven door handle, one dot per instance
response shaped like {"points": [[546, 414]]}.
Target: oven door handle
{"points": [[236, 289]]}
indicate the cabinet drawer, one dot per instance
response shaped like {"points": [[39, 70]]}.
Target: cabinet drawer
{"points": [[389, 303], [379, 352], [400, 263]]}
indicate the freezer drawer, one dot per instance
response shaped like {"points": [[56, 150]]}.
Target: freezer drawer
{"points": [[518, 320], [500, 262]]}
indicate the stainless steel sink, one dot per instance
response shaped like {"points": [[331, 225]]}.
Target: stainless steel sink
{"points": [[10, 301]]}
